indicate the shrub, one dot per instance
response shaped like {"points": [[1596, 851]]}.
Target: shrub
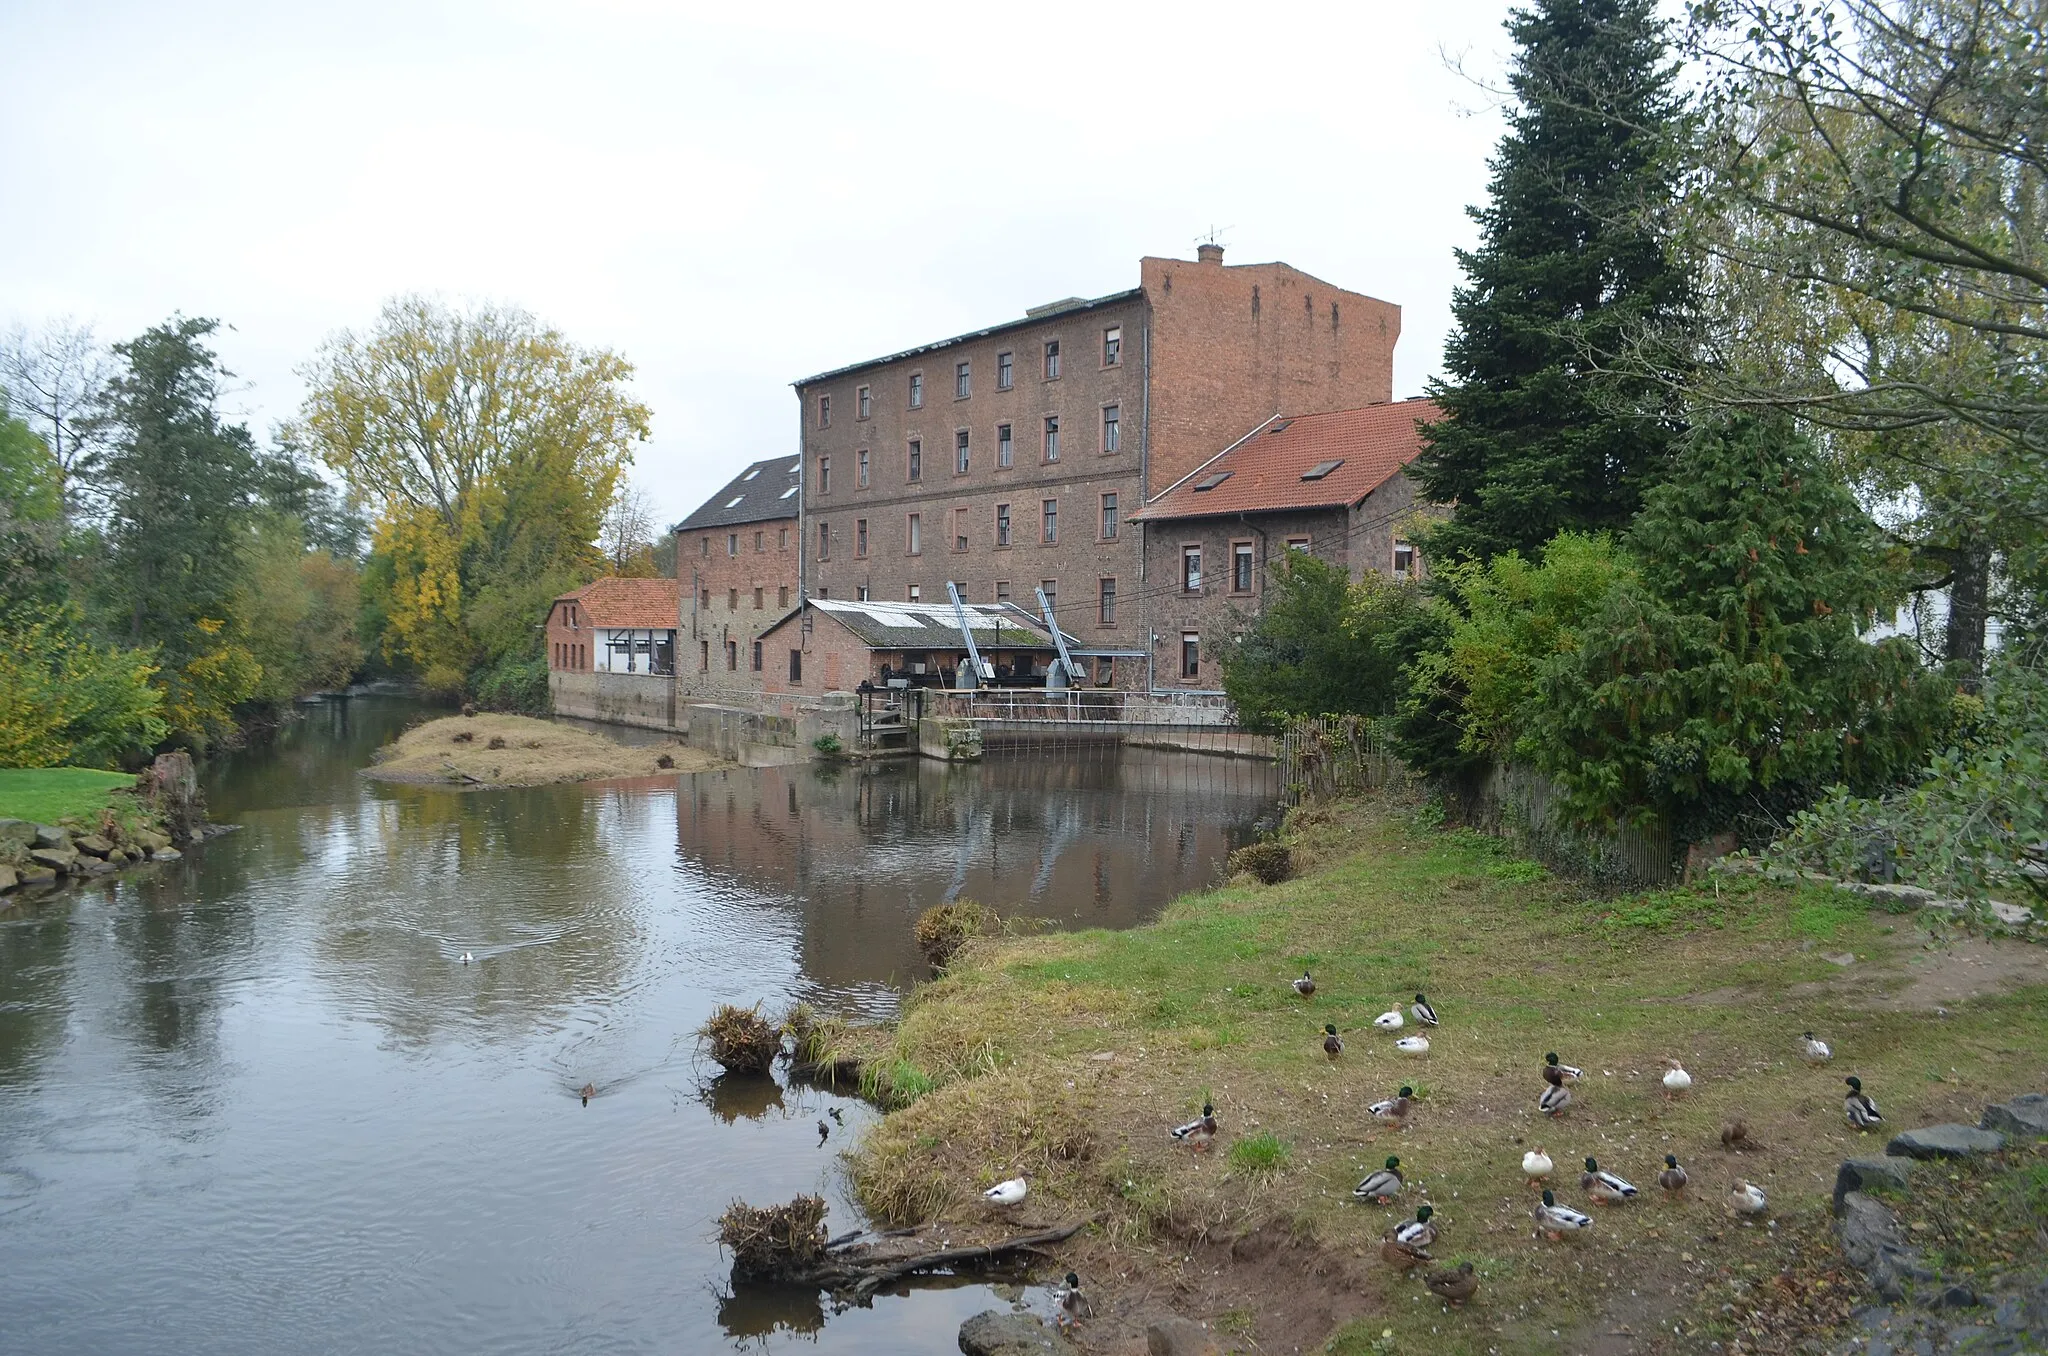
{"points": [[518, 685], [1270, 862], [943, 928], [828, 746]]}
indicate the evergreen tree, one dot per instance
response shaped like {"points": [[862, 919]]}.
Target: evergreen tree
{"points": [[1571, 263]]}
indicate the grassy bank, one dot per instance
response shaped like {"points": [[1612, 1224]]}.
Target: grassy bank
{"points": [[1068, 1057], [500, 750], [45, 795]]}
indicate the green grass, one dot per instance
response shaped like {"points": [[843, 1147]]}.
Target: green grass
{"points": [[1262, 1152], [45, 795]]}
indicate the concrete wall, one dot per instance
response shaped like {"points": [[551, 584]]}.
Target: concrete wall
{"points": [[785, 723], [619, 698]]}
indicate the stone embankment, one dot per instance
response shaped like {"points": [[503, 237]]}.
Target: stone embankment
{"points": [[168, 816]]}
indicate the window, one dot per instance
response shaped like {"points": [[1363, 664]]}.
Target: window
{"points": [[1112, 346], [960, 453], [824, 475], [796, 666], [860, 537], [1109, 523], [732, 600], [1297, 543], [760, 597], [1051, 589], [732, 656], [1191, 654], [861, 593], [1006, 371], [959, 529], [1052, 437], [916, 594], [1105, 675], [824, 592], [1002, 590], [782, 595], [824, 541], [916, 459], [1052, 359], [1191, 568], [760, 542], [732, 543], [917, 391], [824, 411], [860, 469], [864, 404], [963, 382], [1004, 454], [704, 545], [782, 539], [1404, 560], [1112, 427], [914, 534], [704, 656], [1105, 603], [1002, 524], [705, 600], [757, 644], [1049, 514], [1240, 567]]}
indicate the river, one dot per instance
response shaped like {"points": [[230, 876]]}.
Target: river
{"points": [[254, 1102]]}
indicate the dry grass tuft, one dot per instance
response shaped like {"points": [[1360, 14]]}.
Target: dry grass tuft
{"points": [[944, 928], [741, 1039], [497, 750], [1269, 863], [766, 1241]]}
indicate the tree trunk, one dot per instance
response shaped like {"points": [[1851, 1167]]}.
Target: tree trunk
{"points": [[1969, 595]]}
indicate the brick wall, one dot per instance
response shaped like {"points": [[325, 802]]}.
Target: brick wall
{"points": [[723, 573], [1220, 609], [834, 660], [572, 642]]}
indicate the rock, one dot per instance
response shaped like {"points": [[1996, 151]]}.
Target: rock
{"points": [[1945, 1141], [167, 855], [92, 845], [94, 866], [58, 859], [1845, 959], [49, 836], [9, 878], [149, 840], [2012, 915], [996, 1333], [1870, 1240], [2024, 1117], [1956, 1297], [1860, 1174], [37, 875], [17, 836], [1180, 1337]]}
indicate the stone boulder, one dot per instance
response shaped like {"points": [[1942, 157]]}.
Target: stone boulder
{"points": [[58, 859], [1860, 1174], [1945, 1141], [2024, 1117], [9, 878], [150, 841], [996, 1333], [92, 845], [37, 875], [50, 836], [1870, 1240], [1180, 1337], [17, 836]]}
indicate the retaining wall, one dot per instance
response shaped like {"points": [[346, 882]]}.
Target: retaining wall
{"points": [[639, 699]]}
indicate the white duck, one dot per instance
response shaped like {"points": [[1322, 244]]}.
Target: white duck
{"points": [[1813, 1049], [1011, 1192], [1536, 1164], [1676, 1079], [1413, 1045], [1390, 1020], [1747, 1198], [467, 958]]}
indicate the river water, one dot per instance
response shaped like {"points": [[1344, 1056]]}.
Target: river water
{"points": [[253, 1102]]}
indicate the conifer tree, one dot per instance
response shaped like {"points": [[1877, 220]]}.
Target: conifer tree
{"points": [[1571, 263]]}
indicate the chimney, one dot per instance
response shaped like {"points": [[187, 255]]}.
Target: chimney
{"points": [[1211, 253]]}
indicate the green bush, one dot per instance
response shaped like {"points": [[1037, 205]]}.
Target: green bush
{"points": [[518, 685], [66, 701]]}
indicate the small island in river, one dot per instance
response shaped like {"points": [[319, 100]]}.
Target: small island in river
{"points": [[500, 750]]}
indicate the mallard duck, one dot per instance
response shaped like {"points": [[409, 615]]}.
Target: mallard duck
{"points": [[1676, 1079], [586, 1092], [1559, 1220], [1400, 1256], [824, 1133], [1394, 1110], [1453, 1285], [1419, 1232], [1554, 1100], [1390, 1020], [1605, 1187], [1074, 1307], [1735, 1134], [1200, 1132], [1813, 1049], [1422, 1012], [1557, 1075], [1413, 1045], [1862, 1111], [1672, 1179], [467, 958], [1306, 985], [1011, 1192], [1747, 1198], [1536, 1164], [1333, 1044], [1381, 1184]]}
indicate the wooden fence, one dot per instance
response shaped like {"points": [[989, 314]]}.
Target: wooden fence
{"points": [[1324, 756]]}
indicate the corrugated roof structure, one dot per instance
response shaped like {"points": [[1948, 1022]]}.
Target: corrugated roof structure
{"points": [[935, 626], [653, 604], [1300, 462], [765, 490]]}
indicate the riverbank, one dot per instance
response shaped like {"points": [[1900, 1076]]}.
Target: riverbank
{"points": [[1068, 1057], [500, 750], [64, 822]]}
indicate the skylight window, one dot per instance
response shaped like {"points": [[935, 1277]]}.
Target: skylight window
{"points": [[751, 474], [796, 466], [1321, 469], [1211, 482], [734, 502], [785, 494]]}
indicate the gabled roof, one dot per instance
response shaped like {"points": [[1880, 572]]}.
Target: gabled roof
{"points": [[1037, 315], [650, 603], [764, 491], [934, 626], [1300, 462]]}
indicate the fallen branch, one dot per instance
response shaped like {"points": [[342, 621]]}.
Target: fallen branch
{"points": [[865, 1267]]}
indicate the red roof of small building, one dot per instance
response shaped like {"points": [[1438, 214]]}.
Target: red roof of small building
{"points": [[652, 603], [1275, 466]]}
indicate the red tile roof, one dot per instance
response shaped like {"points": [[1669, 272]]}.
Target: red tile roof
{"points": [[651, 603], [1264, 469]]}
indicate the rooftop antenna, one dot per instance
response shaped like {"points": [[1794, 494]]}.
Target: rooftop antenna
{"points": [[1214, 236]]}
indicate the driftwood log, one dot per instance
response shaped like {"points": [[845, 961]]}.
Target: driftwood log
{"points": [[860, 1264]]}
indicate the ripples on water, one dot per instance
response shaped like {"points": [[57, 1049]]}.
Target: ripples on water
{"points": [[253, 1102]]}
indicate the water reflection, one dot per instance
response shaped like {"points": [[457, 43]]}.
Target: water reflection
{"points": [[254, 1101]]}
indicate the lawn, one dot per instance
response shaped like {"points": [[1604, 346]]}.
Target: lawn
{"points": [[1068, 1058], [44, 795]]}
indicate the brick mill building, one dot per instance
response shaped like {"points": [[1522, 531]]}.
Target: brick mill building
{"points": [[737, 561], [1332, 485], [1017, 457]]}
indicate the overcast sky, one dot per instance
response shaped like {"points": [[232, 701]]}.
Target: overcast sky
{"points": [[734, 198]]}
